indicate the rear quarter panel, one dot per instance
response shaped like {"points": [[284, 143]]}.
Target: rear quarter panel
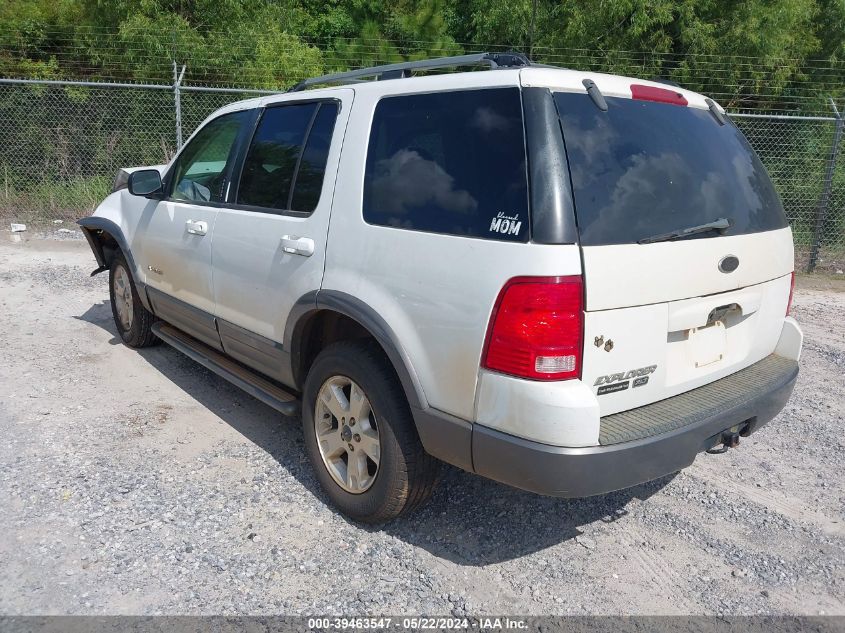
{"points": [[434, 291]]}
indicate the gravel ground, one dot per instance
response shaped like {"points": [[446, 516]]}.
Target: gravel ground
{"points": [[140, 483]]}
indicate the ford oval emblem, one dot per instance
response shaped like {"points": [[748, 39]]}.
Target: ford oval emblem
{"points": [[729, 263]]}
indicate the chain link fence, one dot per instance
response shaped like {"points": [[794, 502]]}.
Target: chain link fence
{"points": [[63, 142], [807, 166]]}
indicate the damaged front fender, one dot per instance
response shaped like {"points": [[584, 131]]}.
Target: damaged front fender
{"points": [[105, 238]]}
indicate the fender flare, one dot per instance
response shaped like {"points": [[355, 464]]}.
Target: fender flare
{"points": [[92, 224], [366, 317]]}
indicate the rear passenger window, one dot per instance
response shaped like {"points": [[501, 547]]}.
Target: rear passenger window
{"points": [[286, 159], [449, 162], [312, 166]]}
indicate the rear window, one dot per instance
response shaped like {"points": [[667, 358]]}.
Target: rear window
{"points": [[644, 168], [449, 162]]}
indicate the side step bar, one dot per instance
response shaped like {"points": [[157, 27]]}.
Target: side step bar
{"points": [[254, 384]]}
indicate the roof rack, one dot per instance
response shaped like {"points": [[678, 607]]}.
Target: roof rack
{"points": [[404, 69]]}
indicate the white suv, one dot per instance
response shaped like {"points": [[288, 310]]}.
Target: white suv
{"points": [[564, 281]]}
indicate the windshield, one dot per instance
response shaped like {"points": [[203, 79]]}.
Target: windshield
{"points": [[644, 168]]}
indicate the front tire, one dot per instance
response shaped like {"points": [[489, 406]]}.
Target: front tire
{"points": [[132, 320], [360, 436]]}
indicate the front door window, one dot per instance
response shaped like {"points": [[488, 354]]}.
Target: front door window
{"points": [[201, 170]]}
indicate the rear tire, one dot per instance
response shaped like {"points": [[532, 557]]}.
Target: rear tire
{"points": [[351, 379], [132, 320]]}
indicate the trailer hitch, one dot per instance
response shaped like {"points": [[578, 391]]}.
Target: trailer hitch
{"points": [[727, 439]]}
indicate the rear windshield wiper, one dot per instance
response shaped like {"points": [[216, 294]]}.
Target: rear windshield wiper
{"points": [[716, 225]]}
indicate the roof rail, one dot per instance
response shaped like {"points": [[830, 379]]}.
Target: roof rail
{"points": [[404, 69]]}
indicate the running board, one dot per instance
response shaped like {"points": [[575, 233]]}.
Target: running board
{"points": [[254, 384]]}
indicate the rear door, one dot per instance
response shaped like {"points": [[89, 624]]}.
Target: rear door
{"points": [[270, 246], [665, 315]]}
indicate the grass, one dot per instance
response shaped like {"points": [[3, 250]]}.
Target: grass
{"points": [[44, 202]]}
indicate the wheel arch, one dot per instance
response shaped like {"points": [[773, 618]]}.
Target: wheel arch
{"points": [[100, 232], [347, 317], [105, 237]]}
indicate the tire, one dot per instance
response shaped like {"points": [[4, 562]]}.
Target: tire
{"points": [[132, 320], [405, 475]]}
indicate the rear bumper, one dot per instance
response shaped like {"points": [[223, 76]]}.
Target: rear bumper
{"points": [[581, 472]]}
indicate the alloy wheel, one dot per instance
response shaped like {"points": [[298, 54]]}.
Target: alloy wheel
{"points": [[123, 297], [347, 434]]}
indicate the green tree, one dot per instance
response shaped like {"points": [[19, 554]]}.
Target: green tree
{"points": [[750, 52], [391, 32]]}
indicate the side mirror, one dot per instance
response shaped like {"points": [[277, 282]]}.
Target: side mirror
{"points": [[145, 182]]}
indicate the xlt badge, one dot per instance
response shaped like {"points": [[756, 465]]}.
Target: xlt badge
{"points": [[619, 386]]}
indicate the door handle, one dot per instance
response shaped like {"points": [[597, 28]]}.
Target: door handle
{"points": [[298, 245], [196, 227]]}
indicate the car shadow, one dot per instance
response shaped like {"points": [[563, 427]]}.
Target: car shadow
{"points": [[469, 520], [100, 315]]}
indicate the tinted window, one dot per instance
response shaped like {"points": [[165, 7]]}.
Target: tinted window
{"points": [[199, 173], [644, 168], [270, 163], [312, 165], [450, 162]]}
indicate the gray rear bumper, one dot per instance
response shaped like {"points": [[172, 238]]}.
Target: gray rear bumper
{"points": [[581, 472]]}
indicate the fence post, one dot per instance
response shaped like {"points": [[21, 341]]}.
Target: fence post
{"points": [[177, 99], [824, 200]]}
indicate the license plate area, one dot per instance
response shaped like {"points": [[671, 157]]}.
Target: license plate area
{"points": [[706, 345]]}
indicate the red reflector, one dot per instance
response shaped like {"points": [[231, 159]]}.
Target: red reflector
{"points": [[661, 95], [791, 290], [536, 329]]}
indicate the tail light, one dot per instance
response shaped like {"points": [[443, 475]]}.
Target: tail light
{"points": [[791, 290], [536, 329]]}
